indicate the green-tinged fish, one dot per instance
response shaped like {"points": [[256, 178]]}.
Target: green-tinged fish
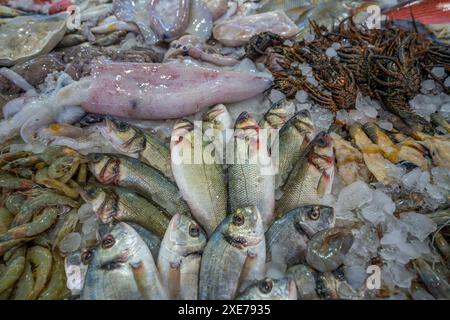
{"points": [[133, 174], [131, 140], [234, 255], [438, 120], [251, 180], [305, 280], [294, 137], [436, 283], [287, 237], [152, 241], [270, 289], [311, 178], [215, 122], [179, 258], [274, 118], [349, 161], [382, 169], [201, 181], [120, 204], [327, 248], [122, 268], [392, 152]]}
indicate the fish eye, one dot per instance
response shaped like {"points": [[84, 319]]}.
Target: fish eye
{"points": [[266, 286], [108, 241], [238, 220], [123, 126], [194, 230], [314, 214], [86, 257], [94, 157]]}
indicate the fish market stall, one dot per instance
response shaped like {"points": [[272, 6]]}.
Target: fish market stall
{"points": [[224, 149]]}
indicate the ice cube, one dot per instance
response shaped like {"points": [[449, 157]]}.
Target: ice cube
{"points": [[305, 69], [355, 196], [276, 96], [422, 294], [401, 276], [309, 37], [370, 112], [434, 192], [428, 85], [411, 179], [342, 115], [356, 276], [447, 82], [312, 80], [438, 72], [85, 212], [445, 107], [301, 96], [331, 52], [336, 45], [385, 125], [441, 177], [70, 243], [418, 225]]}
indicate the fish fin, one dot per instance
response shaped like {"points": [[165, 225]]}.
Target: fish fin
{"points": [[173, 285], [324, 183], [139, 277]]}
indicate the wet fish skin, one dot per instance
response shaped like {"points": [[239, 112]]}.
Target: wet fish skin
{"points": [[435, 283], [215, 122], [152, 241], [271, 289], [120, 204], [129, 140], [312, 176], [294, 137], [202, 184], [234, 255], [251, 180], [179, 258], [287, 238], [135, 175], [122, 267]]}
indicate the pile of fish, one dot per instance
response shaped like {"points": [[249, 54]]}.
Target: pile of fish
{"points": [[224, 149]]}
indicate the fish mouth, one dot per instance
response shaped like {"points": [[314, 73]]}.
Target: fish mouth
{"points": [[237, 242], [246, 121], [214, 113], [198, 253]]}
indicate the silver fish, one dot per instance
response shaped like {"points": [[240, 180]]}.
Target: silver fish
{"points": [[179, 258], [122, 268], [271, 289], [234, 255]]}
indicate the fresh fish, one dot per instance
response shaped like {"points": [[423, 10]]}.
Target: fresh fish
{"points": [[217, 8], [131, 173], [147, 89], [305, 280], [215, 122], [274, 118], [270, 289], [121, 204], [200, 21], [392, 152], [312, 176], [169, 18], [251, 181], [201, 180], [152, 241], [179, 258], [327, 248], [288, 236], [238, 31], [294, 137], [122, 268], [129, 140], [436, 284], [234, 255], [349, 161], [382, 169]]}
